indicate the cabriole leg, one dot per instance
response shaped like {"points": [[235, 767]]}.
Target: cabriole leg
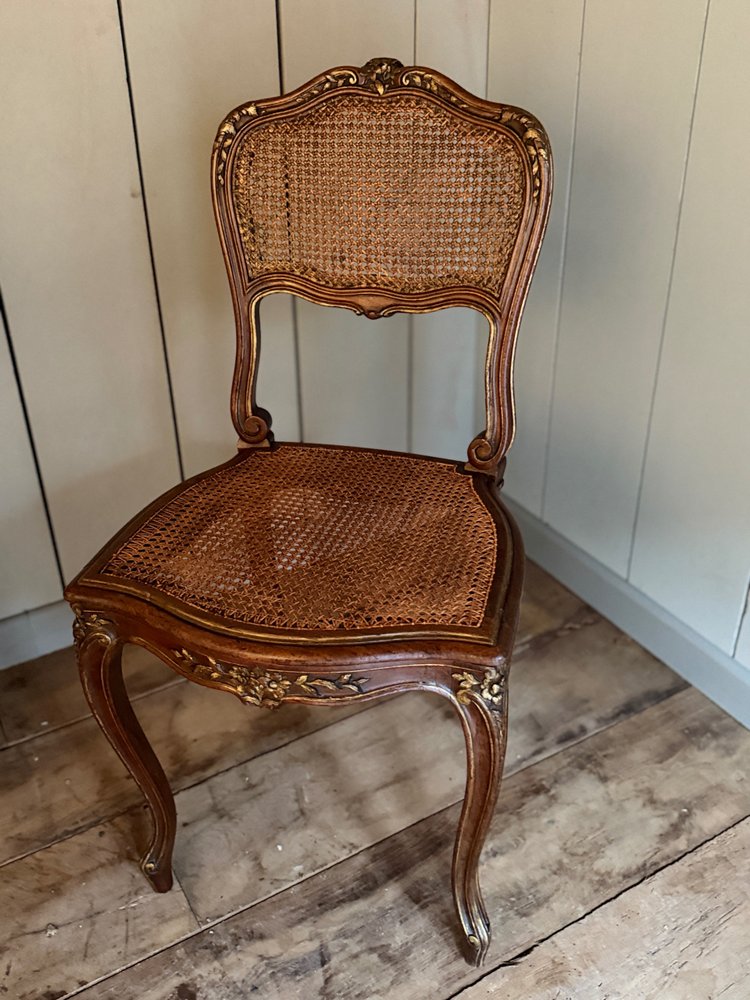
{"points": [[483, 712], [100, 666]]}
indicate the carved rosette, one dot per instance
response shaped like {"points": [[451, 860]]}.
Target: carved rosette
{"points": [[490, 688], [88, 626], [266, 689]]}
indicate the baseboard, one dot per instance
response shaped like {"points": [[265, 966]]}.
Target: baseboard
{"points": [[717, 675], [34, 633]]}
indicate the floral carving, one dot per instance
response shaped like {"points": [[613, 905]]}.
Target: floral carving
{"points": [[316, 685], [380, 75], [534, 139], [338, 78], [490, 688], [264, 688], [89, 625]]}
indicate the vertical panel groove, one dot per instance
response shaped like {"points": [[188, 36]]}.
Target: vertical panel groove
{"points": [[279, 47], [410, 394], [295, 320], [298, 369], [149, 240], [30, 433], [563, 258], [742, 621], [487, 52], [657, 367]]}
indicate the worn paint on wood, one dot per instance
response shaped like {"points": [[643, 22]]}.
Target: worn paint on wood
{"points": [[319, 799], [80, 909], [74, 780], [572, 831], [45, 694], [681, 935], [61, 783]]}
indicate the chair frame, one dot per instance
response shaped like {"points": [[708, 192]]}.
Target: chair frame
{"points": [[318, 668]]}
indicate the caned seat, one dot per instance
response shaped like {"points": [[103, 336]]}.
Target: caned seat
{"points": [[318, 540], [321, 575]]}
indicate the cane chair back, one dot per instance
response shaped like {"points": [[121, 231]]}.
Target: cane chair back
{"points": [[383, 189], [322, 575]]}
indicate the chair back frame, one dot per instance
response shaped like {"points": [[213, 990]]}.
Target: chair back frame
{"points": [[380, 78]]}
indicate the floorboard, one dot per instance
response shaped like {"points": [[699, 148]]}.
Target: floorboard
{"points": [[572, 831], [681, 934], [45, 694], [68, 779], [81, 907], [313, 848]]}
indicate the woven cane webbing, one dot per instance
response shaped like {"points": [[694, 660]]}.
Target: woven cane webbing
{"points": [[395, 193], [317, 538]]}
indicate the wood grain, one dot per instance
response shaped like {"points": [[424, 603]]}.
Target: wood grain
{"points": [[73, 779], [80, 909], [573, 830], [41, 695], [545, 605], [324, 797], [680, 934], [44, 694], [203, 733], [68, 780], [227, 819]]}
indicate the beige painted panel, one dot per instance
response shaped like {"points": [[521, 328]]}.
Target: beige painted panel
{"points": [[315, 37], [742, 653], [354, 372], [638, 72], [692, 545], [75, 270], [191, 62], [445, 386], [354, 377], [446, 360], [542, 76], [29, 575]]}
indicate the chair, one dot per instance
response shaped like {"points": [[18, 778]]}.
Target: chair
{"points": [[331, 575]]}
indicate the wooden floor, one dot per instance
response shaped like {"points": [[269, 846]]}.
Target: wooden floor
{"points": [[313, 848]]}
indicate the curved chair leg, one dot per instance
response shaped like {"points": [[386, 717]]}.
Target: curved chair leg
{"points": [[485, 729], [100, 666]]}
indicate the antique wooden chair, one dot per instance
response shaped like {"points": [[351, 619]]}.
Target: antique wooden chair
{"points": [[330, 575]]}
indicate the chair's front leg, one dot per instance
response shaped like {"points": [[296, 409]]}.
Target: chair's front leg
{"points": [[482, 707], [100, 665]]}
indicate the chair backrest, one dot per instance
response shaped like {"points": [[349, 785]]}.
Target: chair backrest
{"points": [[383, 189]]}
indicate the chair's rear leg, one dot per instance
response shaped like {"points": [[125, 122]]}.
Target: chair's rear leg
{"points": [[100, 665], [485, 729]]}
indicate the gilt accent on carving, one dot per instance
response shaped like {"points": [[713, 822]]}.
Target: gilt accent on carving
{"points": [[264, 688], [490, 688], [88, 626], [380, 76]]}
